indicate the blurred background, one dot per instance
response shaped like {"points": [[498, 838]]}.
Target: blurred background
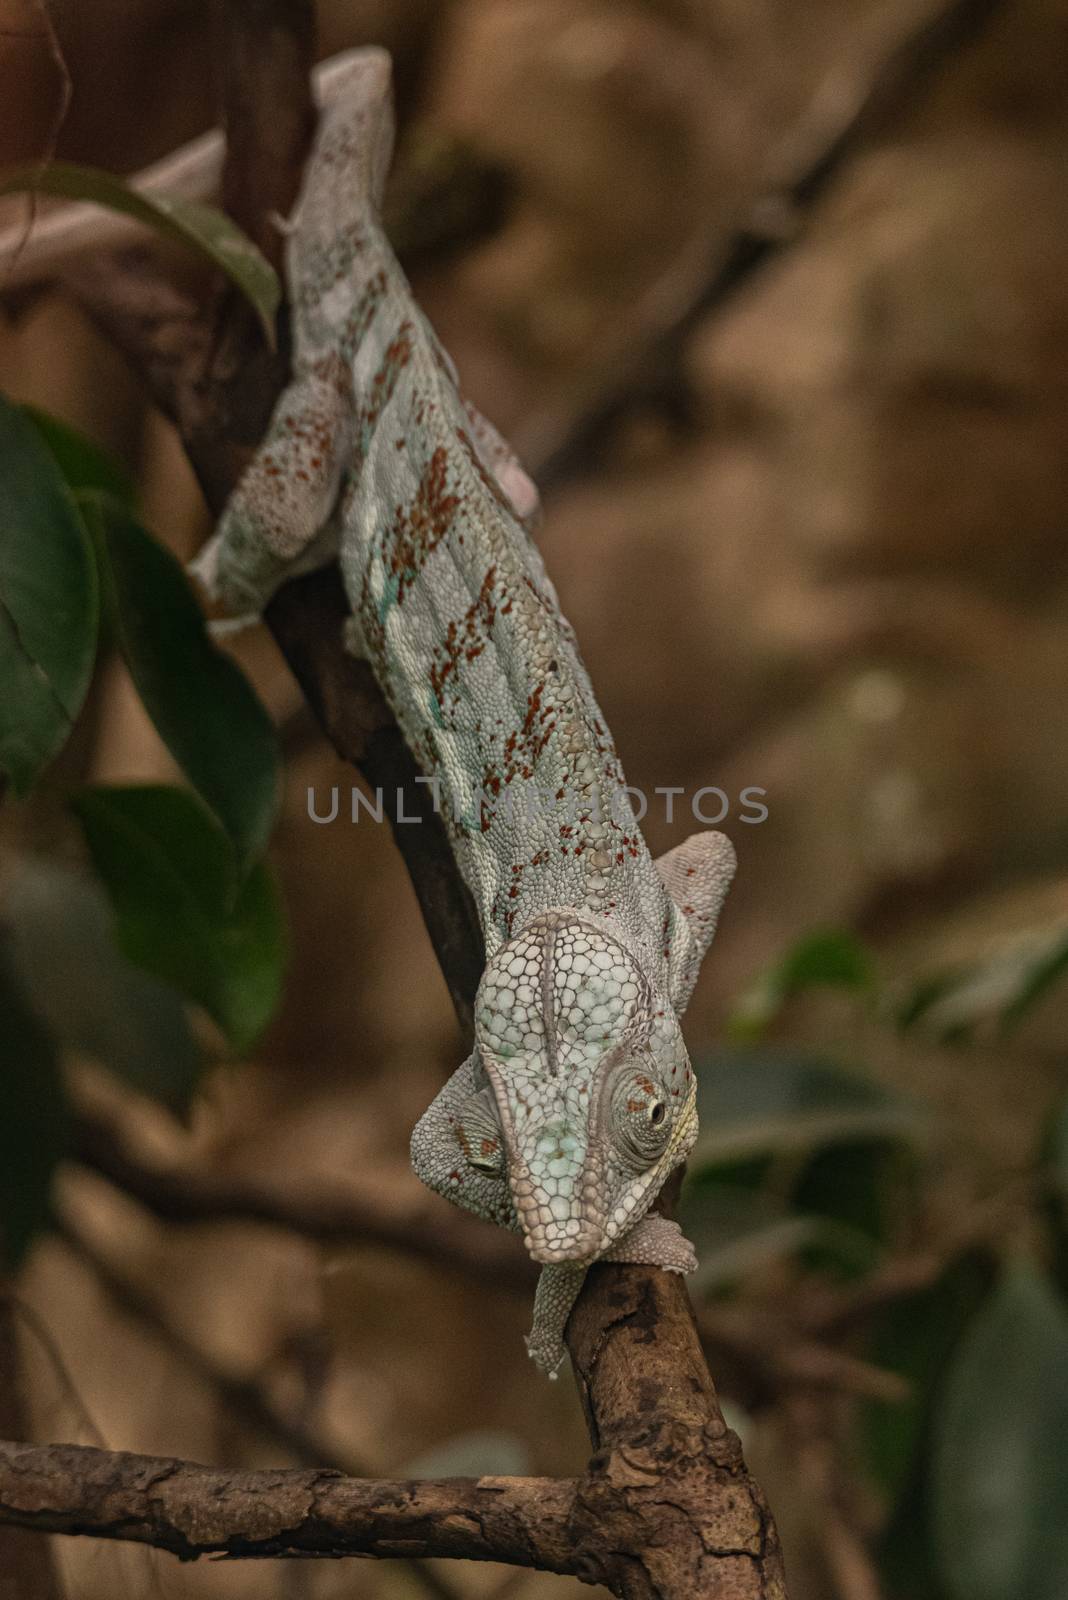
{"points": [[814, 544]]}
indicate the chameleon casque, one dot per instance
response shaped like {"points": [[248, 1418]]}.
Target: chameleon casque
{"points": [[578, 1098]]}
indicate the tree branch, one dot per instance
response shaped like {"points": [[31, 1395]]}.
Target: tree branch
{"points": [[666, 1506], [194, 1511]]}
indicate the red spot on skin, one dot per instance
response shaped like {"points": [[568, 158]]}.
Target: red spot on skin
{"points": [[418, 529], [688, 910], [690, 872], [467, 639]]}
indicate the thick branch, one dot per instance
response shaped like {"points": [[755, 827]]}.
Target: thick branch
{"points": [[666, 1490], [665, 1508], [194, 1511]]}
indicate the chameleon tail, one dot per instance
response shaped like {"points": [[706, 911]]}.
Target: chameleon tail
{"points": [[346, 173]]}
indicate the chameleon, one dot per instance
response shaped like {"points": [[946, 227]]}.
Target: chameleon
{"points": [[578, 1098]]}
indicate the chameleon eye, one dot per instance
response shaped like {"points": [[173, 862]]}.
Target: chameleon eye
{"points": [[480, 1136], [641, 1120]]}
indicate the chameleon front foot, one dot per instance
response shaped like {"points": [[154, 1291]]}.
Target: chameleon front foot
{"points": [[558, 1289], [655, 1241]]}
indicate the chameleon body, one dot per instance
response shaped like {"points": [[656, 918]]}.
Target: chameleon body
{"points": [[578, 1098]]}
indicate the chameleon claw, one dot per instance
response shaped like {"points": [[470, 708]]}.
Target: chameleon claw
{"points": [[548, 1355]]}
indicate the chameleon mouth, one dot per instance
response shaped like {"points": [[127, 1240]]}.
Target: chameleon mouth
{"points": [[554, 1233], [562, 1241]]}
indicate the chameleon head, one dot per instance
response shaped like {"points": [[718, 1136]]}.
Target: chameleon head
{"points": [[588, 1097]]}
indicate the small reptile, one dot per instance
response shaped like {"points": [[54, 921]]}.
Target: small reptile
{"points": [[578, 1098]]}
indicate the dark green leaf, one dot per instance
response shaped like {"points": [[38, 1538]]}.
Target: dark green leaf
{"points": [[915, 1337], [1000, 1486], [48, 604], [751, 1102], [868, 1187], [82, 463], [828, 958], [168, 869], [187, 222], [33, 1123], [1053, 1161], [203, 706], [60, 934], [991, 996], [1042, 973]]}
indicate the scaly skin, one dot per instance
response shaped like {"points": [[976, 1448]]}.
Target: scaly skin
{"points": [[578, 1099]]}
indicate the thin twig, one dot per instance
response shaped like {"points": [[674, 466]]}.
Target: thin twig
{"points": [[648, 368], [340, 1213], [59, 117], [241, 1397]]}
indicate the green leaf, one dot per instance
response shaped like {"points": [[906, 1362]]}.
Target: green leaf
{"points": [[868, 1188], [990, 997], [48, 604], [60, 936], [187, 222], [916, 1337], [33, 1121], [828, 958], [169, 871], [1044, 971], [1053, 1163], [756, 1102], [1000, 1486], [203, 706], [82, 463]]}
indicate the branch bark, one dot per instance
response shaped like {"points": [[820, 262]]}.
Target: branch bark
{"points": [[666, 1506], [194, 1511]]}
